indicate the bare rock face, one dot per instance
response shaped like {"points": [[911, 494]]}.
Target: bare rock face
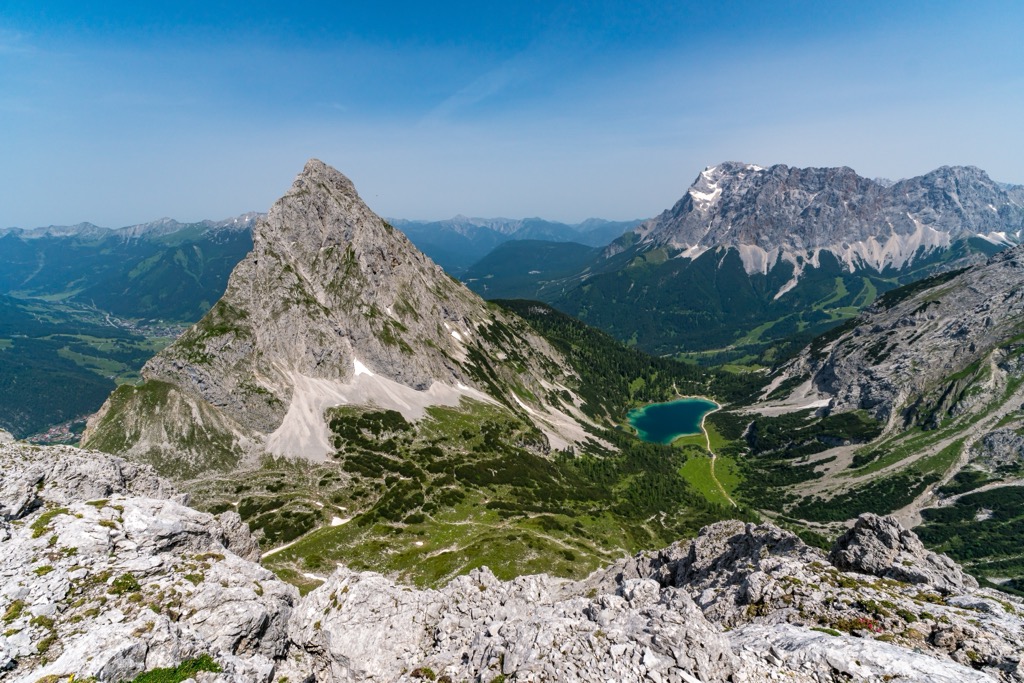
{"points": [[333, 306], [791, 214], [772, 591], [808, 655], [944, 349], [362, 627], [35, 475], [880, 546], [1002, 447], [741, 602], [102, 575]]}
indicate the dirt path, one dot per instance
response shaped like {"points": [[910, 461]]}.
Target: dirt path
{"points": [[910, 516], [274, 551], [707, 439]]}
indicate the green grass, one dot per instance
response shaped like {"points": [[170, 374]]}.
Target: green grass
{"points": [[754, 336], [42, 524], [456, 540], [718, 442], [697, 440], [893, 450], [462, 488], [187, 669], [839, 293], [697, 472], [940, 462], [867, 295], [105, 367]]}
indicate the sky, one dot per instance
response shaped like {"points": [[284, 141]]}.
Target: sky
{"points": [[119, 113]]}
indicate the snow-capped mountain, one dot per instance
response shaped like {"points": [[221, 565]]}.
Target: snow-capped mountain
{"points": [[783, 214]]}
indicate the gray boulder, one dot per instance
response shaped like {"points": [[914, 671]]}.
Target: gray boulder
{"points": [[880, 546], [363, 627]]}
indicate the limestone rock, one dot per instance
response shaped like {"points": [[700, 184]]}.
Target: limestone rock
{"points": [[362, 627], [333, 306], [97, 580], [31, 475], [1000, 448], [786, 214], [941, 351], [745, 575], [806, 655], [880, 546]]}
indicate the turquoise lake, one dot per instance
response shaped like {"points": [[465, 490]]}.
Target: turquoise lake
{"points": [[665, 422]]}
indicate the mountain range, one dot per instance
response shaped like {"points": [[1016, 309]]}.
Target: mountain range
{"points": [[103, 300], [752, 256], [374, 421], [342, 352], [334, 305], [161, 270], [780, 214], [458, 243]]}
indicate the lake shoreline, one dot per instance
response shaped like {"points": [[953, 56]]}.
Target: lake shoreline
{"points": [[649, 421]]}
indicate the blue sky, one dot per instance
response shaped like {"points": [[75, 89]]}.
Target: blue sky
{"points": [[122, 112]]}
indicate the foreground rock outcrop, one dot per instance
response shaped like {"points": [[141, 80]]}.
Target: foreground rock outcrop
{"points": [[105, 573], [881, 547]]}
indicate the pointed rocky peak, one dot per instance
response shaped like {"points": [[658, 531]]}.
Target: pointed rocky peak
{"points": [[333, 306], [713, 181], [319, 211]]}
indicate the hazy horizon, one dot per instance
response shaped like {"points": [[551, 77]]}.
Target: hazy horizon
{"points": [[203, 111]]}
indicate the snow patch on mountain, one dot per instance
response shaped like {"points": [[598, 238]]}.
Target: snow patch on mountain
{"points": [[776, 214], [304, 431]]}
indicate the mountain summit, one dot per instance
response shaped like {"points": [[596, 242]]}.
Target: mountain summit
{"points": [[333, 306], [751, 256], [790, 214]]}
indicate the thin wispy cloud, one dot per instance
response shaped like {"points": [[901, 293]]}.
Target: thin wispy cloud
{"points": [[491, 83]]}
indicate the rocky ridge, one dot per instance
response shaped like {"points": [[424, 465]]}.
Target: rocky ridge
{"points": [[333, 306], [153, 229], [790, 214], [105, 573], [897, 360], [940, 365], [109, 587]]}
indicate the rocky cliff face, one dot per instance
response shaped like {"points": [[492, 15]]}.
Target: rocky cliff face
{"points": [[333, 306], [940, 365], [792, 214], [912, 357], [113, 586]]}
